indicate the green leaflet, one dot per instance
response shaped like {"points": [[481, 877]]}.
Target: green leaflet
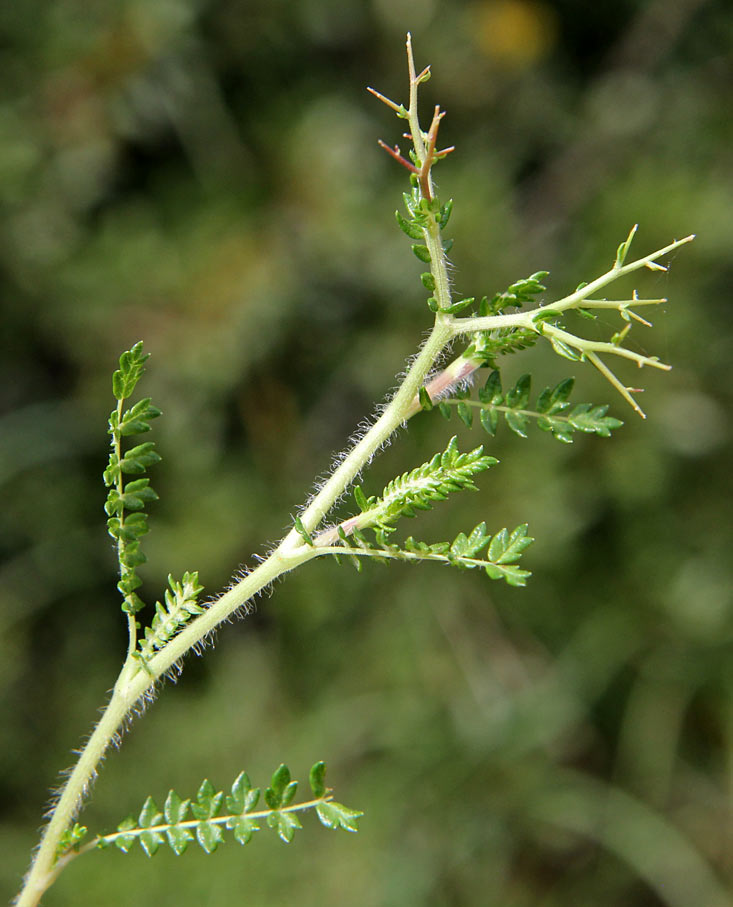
{"points": [[71, 839], [126, 499], [420, 488], [552, 411], [521, 292], [302, 531], [445, 213], [127, 523], [132, 366], [316, 779], [206, 819], [623, 249], [336, 815], [500, 551], [410, 227], [485, 346], [421, 252]]}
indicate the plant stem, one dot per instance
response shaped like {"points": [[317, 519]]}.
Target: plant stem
{"points": [[397, 411], [135, 681], [44, 869], [579, 299]]}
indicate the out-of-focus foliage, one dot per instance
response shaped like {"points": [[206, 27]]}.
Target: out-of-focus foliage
{"points": [[205, 176]]}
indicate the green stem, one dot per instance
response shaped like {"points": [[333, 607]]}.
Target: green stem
{"points": [[402, 405], [579, 299], [397, 411], [601, 346], [530, 413], [134, 681], [44, 868], [401, 555]]}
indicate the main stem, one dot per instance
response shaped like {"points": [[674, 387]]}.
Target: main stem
{"points": [[395, 414], [134, 681], [137, 679]]}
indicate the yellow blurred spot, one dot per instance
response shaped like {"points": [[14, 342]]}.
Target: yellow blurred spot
{"points": [[517, 33]]}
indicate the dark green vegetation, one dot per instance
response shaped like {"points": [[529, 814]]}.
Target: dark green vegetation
{"points": [[207, 178]]}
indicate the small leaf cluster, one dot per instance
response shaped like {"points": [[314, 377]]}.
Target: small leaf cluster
{"points": [[552, 411], [487, 345], [522, 292], [205, 819], [501, 551], [71, 839], [126, 499], [420, 488], [180, 603], [420, 213]]}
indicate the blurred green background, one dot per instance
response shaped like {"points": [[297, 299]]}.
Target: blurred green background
{"points": [[204, 175]]}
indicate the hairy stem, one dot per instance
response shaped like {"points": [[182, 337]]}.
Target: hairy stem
{"points": [[397, 411], [135, 681], [581, 298], [44, 869]]}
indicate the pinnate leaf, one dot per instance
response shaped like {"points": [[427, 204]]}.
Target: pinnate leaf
{"points": [[207, 825]]}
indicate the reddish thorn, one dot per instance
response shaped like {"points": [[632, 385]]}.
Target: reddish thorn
{"points": [[395, 153]]}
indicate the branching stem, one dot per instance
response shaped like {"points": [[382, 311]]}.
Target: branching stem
{"points": [[138, 678]]}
